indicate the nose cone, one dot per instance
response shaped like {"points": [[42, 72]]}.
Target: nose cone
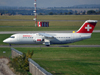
{"points": [[6, 41]]}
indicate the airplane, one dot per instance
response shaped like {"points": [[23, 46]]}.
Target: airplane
{"points": [[47, 39]]}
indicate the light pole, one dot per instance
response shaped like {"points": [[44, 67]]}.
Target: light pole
{"points": [[35, 13]]}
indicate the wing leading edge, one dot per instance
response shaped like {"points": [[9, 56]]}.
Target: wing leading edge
{"points": [[46, 35]]}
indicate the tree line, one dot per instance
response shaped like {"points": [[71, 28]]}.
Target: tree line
{"points": [[90, 12], [49, 12]]}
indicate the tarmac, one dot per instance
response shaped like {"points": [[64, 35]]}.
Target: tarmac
{"points": [[41, 46], [15, 32]]}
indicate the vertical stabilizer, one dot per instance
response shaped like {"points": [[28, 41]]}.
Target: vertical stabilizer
{"points": [[87, 27]]}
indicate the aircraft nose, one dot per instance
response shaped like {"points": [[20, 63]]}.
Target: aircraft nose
{"points": [[6, 41]]}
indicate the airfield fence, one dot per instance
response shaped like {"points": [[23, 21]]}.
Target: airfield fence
{"points": [[34, 68], [15, 53]]}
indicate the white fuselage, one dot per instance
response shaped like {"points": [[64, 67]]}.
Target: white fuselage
{"points": [[58, 38]]}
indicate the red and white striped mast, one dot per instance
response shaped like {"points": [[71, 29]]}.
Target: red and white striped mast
{"points": [[35, 13]]}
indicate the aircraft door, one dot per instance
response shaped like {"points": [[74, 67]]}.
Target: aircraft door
{"points": [[18, 36]]}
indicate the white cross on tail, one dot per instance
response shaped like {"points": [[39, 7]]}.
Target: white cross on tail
{"points": [[88, 27]]}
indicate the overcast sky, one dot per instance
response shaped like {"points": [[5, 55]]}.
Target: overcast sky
{"points": [[47, 3]]}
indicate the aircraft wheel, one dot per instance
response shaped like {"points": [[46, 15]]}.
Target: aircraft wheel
{"points": [[48, 45]]}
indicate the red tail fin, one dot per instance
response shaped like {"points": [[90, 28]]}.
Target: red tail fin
{"points": [[87, 27]]}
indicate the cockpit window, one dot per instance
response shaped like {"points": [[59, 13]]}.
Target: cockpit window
{"points": [[12, 37]]}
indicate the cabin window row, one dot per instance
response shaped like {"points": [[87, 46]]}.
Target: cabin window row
{"points": [[62, 37], [27, 37]]}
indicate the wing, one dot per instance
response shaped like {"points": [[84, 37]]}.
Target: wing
{"points": [[47, 38], [46, 35]]}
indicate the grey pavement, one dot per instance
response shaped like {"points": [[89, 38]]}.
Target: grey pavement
{"points": [[32, 46], [14, 32]]}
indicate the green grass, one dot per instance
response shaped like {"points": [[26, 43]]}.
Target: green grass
{"points": [[94, 40], [64, 61], [7, 54], [67, 61], [19, 17], [68, 17], [53, 17], [54, 25]]}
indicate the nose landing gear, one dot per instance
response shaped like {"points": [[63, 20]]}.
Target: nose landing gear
{"points": [[10, 45]]}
